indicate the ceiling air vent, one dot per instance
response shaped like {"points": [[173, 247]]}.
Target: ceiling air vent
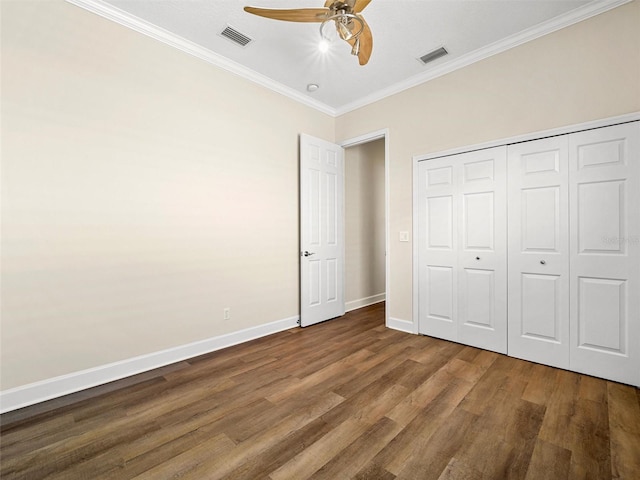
{"points": [[431, 56], [235, 36]]}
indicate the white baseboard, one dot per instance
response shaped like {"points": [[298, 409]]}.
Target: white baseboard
{"points": [[402, 325], [41, 391], [364, 302]]}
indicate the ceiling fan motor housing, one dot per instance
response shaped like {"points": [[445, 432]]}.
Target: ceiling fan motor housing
{"points": [[346, 15]]}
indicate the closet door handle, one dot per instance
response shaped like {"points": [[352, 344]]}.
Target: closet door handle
{"points": [[477, 258], [542, 262]]}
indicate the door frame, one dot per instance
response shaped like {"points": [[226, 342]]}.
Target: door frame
{"points": [[354, 142]]}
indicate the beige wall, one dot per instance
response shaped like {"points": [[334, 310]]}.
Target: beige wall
{"points": [[588, 71], [143, 190], [364, 221]]}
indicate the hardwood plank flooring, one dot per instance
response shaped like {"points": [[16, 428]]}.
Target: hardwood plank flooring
{"points": [[346, 399]]}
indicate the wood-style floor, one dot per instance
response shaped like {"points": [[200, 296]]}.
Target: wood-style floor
{"points": [[344, 399]]}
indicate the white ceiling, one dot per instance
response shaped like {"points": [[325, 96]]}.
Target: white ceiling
{"points": [[285, 55]]}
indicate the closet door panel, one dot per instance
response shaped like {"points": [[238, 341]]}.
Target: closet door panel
{"points": [[440, 222], [482, 253], [540, 217], [439, 294], [540, 315], [602, 315], [605, 252], [538, 257], [480, 293], [438, 259], [601, 219]]}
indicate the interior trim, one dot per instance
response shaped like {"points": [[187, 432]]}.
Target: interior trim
{"points": [[121, 17], [364, 302], [405, 326], [51, 388], [579, 14], [578, 127], [359, 140]]}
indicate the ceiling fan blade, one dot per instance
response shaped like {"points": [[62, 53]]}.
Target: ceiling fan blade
{"points": [[366, 43], [360, 5], [292, 15]]}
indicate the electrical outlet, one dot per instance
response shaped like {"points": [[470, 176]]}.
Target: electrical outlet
{"points": [[226, 313]]}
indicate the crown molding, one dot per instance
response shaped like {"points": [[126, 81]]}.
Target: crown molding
{"points": [[574, 16], [121, 17]]}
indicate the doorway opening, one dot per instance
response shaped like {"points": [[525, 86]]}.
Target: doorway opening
{"points": [[366, 220]]}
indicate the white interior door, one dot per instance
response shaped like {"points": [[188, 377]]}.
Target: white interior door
{"points": [[482, 252], [462, 249], [438, 255], [321, 230], [605, 252], [539, 251]]}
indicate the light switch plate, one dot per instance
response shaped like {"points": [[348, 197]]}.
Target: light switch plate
{"points": [[404, 236]]}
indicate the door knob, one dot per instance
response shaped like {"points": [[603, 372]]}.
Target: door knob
{"points": [[477, 258], [542, 262], [308, 254]]}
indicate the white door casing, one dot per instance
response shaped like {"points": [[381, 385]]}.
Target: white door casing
{"points": [[462, 250], [321, 230], [539, 251], [605, 252]]}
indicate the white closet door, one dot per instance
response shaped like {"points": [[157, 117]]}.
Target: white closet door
{"points": [[482, 252], [539, 251], [438, 257], [462, 249], [605, 252]]}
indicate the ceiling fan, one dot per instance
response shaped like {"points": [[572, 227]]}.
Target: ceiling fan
{"points": [[350, 25]]}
